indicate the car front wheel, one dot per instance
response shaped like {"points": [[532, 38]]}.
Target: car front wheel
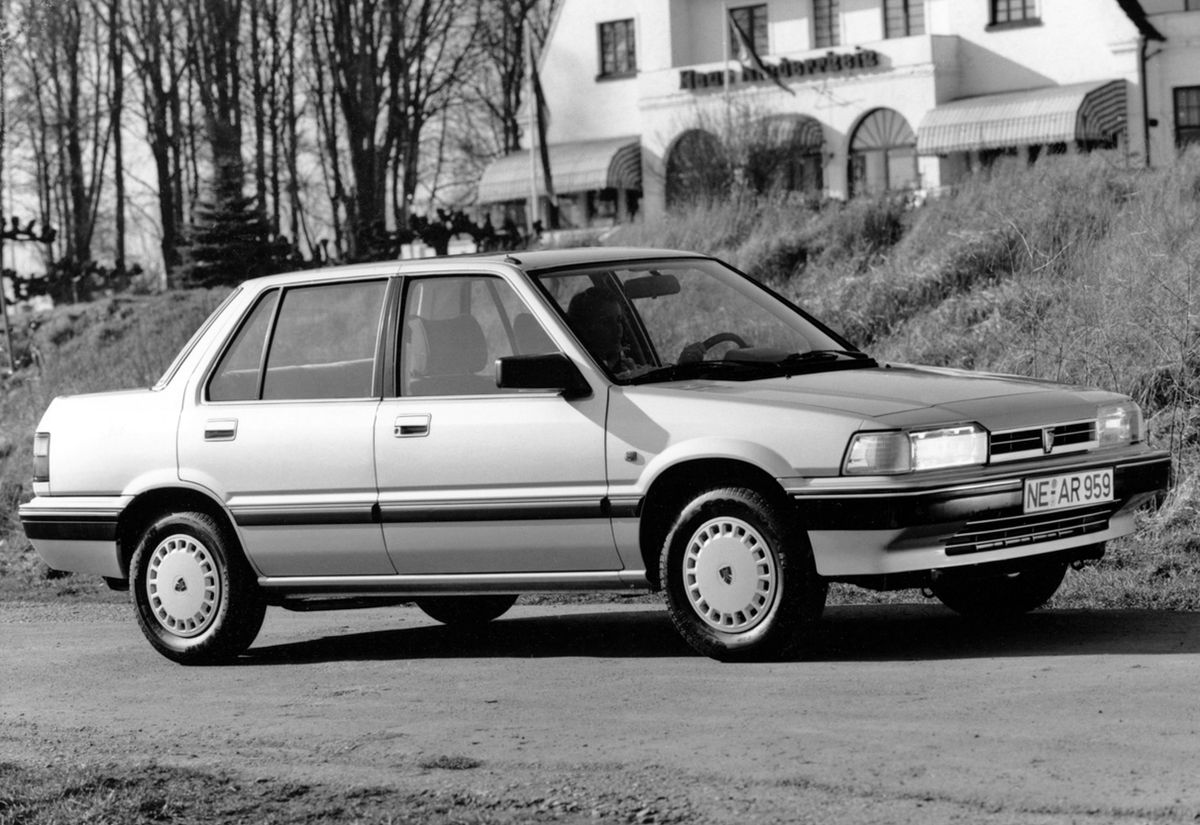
{"points": [[1000, 596], [196, 597], [738, 577]]}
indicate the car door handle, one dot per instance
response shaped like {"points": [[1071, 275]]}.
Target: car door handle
{"points": [[415, 425], [224, 429]]}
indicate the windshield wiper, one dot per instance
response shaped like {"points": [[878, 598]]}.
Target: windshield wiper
{"points": [[732, 368], [824, 355], [706, 369], [799, 361]]}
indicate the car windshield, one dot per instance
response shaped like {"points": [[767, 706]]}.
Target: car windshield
{"points": [[669, 320]]}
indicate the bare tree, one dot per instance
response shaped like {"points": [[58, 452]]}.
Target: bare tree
{"points": [[490, 123], [152, 33], [216, 26], [392, 67], [116, 106], [437, 40], [66, 63]]}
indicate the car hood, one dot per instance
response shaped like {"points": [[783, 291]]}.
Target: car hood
{"points": [[904, 396]]}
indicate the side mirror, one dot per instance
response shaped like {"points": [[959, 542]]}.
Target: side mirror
{"points": [[542, 372]]}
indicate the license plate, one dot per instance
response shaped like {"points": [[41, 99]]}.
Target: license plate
{"points": [[1068, 490]]}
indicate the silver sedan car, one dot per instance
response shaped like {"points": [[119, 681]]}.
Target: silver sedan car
{"points": [[459, 431]]}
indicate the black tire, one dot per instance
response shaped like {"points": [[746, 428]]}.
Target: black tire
{"points": [[195, 596], [465, 611], [738, 577], [1000, 596]]}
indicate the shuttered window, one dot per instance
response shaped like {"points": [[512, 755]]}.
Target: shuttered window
{"points": [[1187, 115], [1013, 11], [825, 23], [753, 21], [902, 18], [618, 49]]}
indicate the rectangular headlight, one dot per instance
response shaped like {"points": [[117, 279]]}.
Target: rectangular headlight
{"points": [[894, 452], [1119, 423], [949, 447]]}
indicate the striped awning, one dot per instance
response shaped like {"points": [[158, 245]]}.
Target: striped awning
{"points": [[1056, 114], [794, 132], [574, 167]]}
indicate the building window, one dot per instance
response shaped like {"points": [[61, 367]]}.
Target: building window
{"points": [[902, 18], [752, 20], [1014, 12], [1187, 115], [825, 23], [618, 52]]}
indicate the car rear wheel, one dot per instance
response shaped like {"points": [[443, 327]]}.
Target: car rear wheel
{"points": [[196, 597], [999, 596], [738, 577], [463, 611]]}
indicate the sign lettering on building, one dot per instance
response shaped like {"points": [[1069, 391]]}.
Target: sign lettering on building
{"points": [[830, 63]]}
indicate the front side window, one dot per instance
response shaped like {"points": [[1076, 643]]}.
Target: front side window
{"points": [[1191, 5], [1006, 12], [311, 342], [903, 18], [455, 328], [826, 31], [1187, 115], [752, 20], [618, 48]]}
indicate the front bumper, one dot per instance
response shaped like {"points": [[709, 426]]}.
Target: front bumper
{"points": [[76, 534], [898, 526]]}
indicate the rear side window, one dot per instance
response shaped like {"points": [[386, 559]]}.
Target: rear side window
{"points": [[322, 345]]}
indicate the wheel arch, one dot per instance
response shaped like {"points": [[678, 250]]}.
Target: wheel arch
{"points": [[150, 504], [680, 483]]}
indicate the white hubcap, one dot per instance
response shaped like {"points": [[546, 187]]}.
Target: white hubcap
{"points": [[730, 575], [182, 585]]}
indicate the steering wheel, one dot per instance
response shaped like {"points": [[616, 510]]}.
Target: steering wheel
{"points": [[695, 351]]}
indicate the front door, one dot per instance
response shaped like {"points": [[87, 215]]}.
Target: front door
{"points": [[473, 479]]}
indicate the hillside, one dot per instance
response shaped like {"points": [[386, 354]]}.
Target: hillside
{"points": [[1076, 270]]}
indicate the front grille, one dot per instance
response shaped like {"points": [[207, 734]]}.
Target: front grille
{"points": [[1013, 531], [1017, 444]]}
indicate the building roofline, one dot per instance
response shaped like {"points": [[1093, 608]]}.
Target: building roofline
{"points": [[1134, 11]]}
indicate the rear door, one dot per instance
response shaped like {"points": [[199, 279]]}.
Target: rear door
{"points": [[284, 428]]}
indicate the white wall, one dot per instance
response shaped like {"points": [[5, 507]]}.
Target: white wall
{"points": [[1171, 64]]}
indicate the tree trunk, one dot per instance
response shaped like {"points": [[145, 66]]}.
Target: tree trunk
{"points": [[117, 61]]}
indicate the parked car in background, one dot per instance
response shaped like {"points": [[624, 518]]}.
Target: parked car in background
{"points": [[459, 431]]}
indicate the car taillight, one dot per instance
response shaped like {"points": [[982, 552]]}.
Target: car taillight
{"points": [[41, 457]]}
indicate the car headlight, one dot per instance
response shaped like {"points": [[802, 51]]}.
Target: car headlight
{"points": [[1118, 424], [893, 452]]}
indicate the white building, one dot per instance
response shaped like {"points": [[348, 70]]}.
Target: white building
{"points": [[841, 97]]}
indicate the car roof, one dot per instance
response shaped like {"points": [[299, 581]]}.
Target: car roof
{"points": [[528, 260]]}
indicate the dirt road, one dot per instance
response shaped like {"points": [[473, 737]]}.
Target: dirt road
{"points": [[598, 712]]}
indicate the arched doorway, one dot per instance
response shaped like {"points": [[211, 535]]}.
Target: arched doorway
{"points": [[697, 169], [883, 154], [787, 155]]}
